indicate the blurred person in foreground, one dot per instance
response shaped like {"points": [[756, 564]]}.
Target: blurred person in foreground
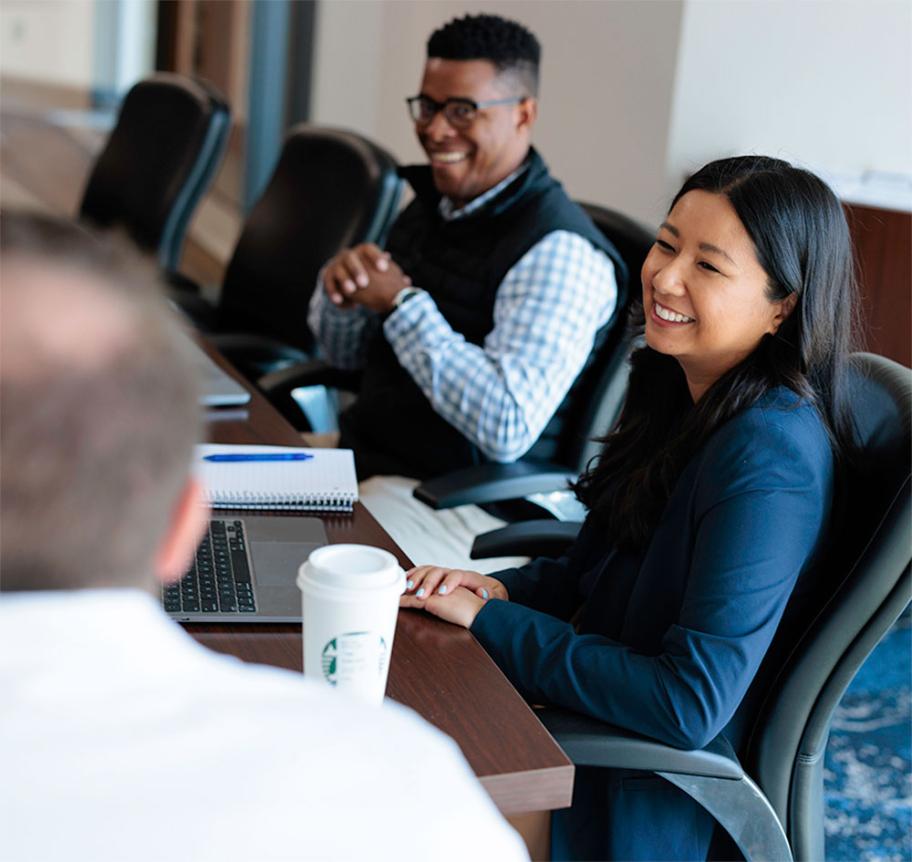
{"points": [[120, 736], [708, 506]]}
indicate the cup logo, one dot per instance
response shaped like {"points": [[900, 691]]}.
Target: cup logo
{"points": [[344, 657]]}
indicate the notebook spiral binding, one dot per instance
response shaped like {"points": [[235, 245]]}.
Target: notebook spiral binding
{"points": [[250, 500]]}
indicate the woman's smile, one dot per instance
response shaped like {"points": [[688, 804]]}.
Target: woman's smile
{"points": [[667, 316]]}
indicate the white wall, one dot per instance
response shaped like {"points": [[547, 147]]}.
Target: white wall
{"points": [[78, 44], [607, 76], [637, 93], [48, 41], [828, 84]]}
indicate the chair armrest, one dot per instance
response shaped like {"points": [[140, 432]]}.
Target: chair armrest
{"points": [[201, 313], [589, 742], [540, 538], [246, 347], [312, 373], [712, 776], [180, 282], [279, 385], [489, 483]]}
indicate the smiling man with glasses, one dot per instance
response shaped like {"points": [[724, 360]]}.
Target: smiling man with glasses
{"points": [[474, 322]]}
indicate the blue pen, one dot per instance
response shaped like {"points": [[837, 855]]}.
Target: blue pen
{"points": [[259, 456]]}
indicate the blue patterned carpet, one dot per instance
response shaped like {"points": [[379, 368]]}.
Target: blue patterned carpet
{"points": [[868, 766]]}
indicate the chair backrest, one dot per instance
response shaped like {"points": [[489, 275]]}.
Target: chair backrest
{"points": [[330, 189], [158, 162], [594, 400], [861, 589]]}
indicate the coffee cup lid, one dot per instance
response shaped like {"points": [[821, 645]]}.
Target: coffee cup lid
{"points": [[358, 567]]}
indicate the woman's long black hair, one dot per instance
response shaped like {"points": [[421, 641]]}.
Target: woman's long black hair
{"points": [[802, 242]]}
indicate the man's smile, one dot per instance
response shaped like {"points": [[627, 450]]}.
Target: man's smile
{"points": [[447, 157]]}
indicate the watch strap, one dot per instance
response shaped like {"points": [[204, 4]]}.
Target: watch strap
{"points": [[404, 295]]}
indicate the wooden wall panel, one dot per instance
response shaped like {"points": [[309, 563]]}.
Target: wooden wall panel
{"points": [[883, 249]]}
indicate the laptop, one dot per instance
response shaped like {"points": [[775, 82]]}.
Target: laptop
{"points": [[218, 388], [245, 571]]}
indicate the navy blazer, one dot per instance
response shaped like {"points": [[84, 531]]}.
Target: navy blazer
{"points": [[665, 642]]}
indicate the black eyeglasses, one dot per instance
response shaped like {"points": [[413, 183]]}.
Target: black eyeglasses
{"points": [[460, 113]]}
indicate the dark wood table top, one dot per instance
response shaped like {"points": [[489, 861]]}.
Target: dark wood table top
{"points": [[437, 669]]}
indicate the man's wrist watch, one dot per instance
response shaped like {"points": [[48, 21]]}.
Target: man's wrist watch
{"points": [[404, 295]]}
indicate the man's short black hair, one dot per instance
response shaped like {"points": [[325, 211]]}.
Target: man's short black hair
{"points": [[506, 44]]}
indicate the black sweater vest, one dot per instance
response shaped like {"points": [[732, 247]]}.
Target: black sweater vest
{"points": [[392, 427]]}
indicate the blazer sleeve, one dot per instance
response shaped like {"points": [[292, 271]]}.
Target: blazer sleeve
{"points": [[550, 585], [760, 512]]}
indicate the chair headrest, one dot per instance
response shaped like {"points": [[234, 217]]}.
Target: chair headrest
{"points": [[881, 402], [631, 238]]}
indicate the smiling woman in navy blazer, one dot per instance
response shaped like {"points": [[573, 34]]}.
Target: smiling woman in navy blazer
{"points": [[708, 504]]}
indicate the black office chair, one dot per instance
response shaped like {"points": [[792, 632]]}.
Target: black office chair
{"points": [[330, 189], [769, 794], [587, 412], [158, 162]]}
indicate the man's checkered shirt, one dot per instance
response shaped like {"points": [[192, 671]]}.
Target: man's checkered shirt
{"points": [[500, 395]]}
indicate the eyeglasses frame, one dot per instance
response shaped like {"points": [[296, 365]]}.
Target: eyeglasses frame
{"points": [[441, 106]]}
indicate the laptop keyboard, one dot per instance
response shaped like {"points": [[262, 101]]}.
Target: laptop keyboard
{"points": [[219, 580]]}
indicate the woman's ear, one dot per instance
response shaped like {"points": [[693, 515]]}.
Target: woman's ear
{"points": [[784, 309]]}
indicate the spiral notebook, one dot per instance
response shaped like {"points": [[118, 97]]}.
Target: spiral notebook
{"points": [[324, 482]]}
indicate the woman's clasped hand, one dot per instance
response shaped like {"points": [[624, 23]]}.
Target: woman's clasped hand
{"points": [[455, 595]]}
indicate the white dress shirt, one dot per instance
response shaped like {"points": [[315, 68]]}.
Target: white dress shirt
{"points": [[121, 738]]}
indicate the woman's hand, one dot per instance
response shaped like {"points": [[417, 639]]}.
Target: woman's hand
{"points": [[459, 606], [454, 595], [425, 581]]}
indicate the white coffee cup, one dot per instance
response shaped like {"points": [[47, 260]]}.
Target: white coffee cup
{"points": [[350, 596]]}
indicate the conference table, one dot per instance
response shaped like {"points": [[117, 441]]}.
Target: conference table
{"points": [[436, 668]]}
